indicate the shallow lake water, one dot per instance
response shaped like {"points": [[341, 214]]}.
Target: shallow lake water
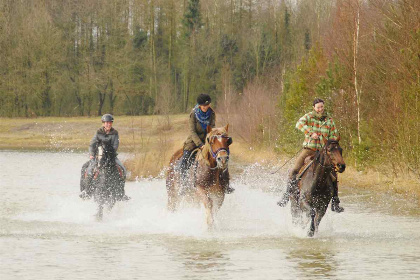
{"points": [[48, 232]]}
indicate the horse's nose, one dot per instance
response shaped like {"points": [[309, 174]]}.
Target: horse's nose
{"points": [[223, 160], [341, 167]]}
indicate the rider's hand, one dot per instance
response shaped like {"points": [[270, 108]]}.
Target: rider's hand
{"points": [[91, 157], [314, 136]]}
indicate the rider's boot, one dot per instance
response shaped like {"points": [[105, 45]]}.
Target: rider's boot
{"points": [[183, 168], [291, 186], [87, 192], [335, 201], [224, 181], [229, 190]]}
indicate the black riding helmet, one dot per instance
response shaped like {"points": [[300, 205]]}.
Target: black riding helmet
{"points": [[107, 118], [203, 99]]}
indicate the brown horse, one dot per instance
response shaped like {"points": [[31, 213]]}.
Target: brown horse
{"points": [[206, 179], [316, 183]]}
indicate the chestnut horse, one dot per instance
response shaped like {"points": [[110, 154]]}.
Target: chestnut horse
{"points": [[316, 183], [207, 177]]}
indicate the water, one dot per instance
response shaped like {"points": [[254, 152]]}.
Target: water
{"points": [[47, 232]]}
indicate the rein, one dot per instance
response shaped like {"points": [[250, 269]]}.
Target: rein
{"points": [[216, 153]]}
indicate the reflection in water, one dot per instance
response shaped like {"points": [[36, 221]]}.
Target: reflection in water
{"points": [[202, 261], [315, 259], [45, 228], [199, 257]]}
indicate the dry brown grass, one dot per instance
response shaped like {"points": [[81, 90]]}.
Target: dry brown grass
{"points": [[150, 141], [379, 181]]}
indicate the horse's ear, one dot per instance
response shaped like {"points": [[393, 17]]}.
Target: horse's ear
{"points": [[227, 127], [209, 129]]}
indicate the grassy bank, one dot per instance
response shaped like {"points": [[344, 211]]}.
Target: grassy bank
{"points": [[151, 140]]}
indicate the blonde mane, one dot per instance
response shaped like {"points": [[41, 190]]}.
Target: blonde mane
{"points": [[203, 155]]}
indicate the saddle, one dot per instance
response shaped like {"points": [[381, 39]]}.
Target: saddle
{"points": [[308, 162], [96, 172]]}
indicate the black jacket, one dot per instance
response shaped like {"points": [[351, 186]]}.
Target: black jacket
{"points": [[100, 136]]}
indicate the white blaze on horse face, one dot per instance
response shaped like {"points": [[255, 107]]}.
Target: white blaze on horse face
{"points": [[100, 153]]}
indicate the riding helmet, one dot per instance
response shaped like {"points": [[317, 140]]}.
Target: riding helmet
{"points": [[107, 118], [203, 99]]}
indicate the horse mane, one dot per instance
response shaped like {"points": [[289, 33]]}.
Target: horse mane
{"points": [[332, 141], [205, 152]]}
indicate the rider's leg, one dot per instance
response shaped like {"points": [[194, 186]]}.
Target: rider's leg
{"points": [[119, 163], [224, 181], [291, 187], [183, 168], [292, 182], [335, 202], [87, 192]]}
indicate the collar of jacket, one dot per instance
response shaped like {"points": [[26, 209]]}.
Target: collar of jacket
{"points": [[111, 132], [322, 116]]}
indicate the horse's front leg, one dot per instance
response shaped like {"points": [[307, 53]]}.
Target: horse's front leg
{"points": [[313, 225], [208, 205]]}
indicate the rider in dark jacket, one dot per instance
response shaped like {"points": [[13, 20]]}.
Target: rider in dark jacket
{"points": [[104, 134], [201, 116]]}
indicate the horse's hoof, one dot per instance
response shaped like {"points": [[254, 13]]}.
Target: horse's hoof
{"points": [[125, 198], [282, 203], [311, 233], [84, 196], [337, 208]]}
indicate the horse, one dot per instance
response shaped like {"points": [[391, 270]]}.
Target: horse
{"points": [[207, 177], [315, 185], [107, 184]]}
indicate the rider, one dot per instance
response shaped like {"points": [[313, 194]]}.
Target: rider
{"points": [[201, 116], [318, 127], [104, 134]]}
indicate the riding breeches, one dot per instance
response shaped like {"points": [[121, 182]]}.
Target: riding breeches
{"points": [[300, 161], [186, 161]]}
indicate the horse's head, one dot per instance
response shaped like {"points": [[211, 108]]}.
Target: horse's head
{"points": [[217, 143], [106, 154], [334, 155]]}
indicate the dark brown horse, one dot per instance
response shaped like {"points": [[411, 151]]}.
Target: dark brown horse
{"points": [[316, 182], [206, 179]]}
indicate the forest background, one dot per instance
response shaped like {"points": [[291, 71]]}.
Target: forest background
{"points": [[263, 62]]}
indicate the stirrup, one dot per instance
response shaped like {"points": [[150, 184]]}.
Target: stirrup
{"points": [[335, 206], [229, 190], [285, 199], [84, 195]]}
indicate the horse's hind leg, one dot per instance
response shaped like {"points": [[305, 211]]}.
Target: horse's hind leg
{"points": [[312, 227]]}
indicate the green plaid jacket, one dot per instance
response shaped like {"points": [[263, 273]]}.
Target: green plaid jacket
{"points": [[324, 127]]}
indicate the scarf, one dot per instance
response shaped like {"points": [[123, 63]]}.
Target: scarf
{"points": [[202, 117], [322, 117]]}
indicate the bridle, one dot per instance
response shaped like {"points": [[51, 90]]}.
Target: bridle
{"points": [[216, 153], [324, 151]]}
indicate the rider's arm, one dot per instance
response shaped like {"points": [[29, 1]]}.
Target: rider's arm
{"points": [[333, 133], [115, 142], [93, 147], [302, 125], [193, 132], [213, 119]]}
